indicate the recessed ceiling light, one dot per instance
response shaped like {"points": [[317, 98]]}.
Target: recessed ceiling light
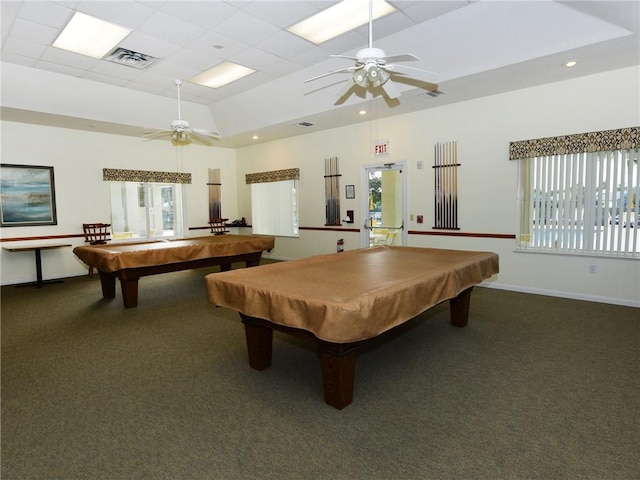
{"points": [[255, 137], [362, 112], [222, 74], [571, 63], [339, 18], [90, 36]]}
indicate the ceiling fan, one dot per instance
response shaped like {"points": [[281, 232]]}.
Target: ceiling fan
{"points": [[181, 132], [373, 69]]}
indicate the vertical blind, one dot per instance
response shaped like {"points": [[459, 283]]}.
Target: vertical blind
{"points": [[583, 202], [274, 202]]}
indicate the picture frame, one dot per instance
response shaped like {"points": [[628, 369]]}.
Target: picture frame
{"points": [[350, 191], [27, 196]]}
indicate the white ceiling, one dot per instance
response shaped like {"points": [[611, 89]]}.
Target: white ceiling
{"points": [[477, 48]]}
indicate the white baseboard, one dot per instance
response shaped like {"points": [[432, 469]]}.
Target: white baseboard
{"points": [[571, 295]]}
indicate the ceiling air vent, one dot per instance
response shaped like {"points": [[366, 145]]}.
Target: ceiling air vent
{"points": [[131, 59], [304, 124]]}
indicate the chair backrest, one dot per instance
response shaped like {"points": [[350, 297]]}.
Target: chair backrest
{"points": [[218, 226], [96, 233]]}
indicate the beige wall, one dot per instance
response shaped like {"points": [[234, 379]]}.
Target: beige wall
{"points": [[483, 129], [78, 158]]}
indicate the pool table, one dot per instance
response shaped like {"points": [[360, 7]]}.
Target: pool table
{"points": [[341, 300], [130, 261]]}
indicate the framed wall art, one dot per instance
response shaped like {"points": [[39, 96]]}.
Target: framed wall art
{"points": [[27, 196], [350, 191]]}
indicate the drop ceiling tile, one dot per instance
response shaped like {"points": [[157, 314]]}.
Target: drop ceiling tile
{"points": [[281, 69], [70, 59], [206, 14], [128, 14], [19, 59], [22, 47], [246, 28], [195, 59], [64, 69], [173, 70], [210, 40], [255, 58], [34, 32], [175, 30], [422, 11], [46, 13], [285, 44], [282, 14], [115, 70], [310, 57], [148, 44]]}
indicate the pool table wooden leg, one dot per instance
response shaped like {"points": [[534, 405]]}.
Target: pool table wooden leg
{"points": [[338, 373], [108, 283], [259, 343], [459, 307], [129, 288]]}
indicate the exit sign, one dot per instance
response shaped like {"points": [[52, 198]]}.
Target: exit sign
{"points": [[381, 147]]}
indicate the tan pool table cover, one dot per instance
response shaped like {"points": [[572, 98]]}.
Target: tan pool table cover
{"points": [[351, 296], [114, 257]]}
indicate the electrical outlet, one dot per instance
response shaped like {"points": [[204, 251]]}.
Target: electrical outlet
{"points": [[592, 269], [419, 219]]}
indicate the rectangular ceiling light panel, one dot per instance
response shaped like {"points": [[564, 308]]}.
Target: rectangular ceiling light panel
{"points": [[90, 36], [338, 19], [222, 74]]}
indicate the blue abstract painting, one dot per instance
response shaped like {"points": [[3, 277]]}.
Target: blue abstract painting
{"points": [[27, 195]]}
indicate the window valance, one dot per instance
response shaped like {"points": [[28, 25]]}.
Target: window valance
{"points": [[607, 140], [273, 176], [122, 175]]}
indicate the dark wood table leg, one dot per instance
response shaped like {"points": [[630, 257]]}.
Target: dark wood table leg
{"points": [[129, 287], [259, 343], [338, 373], [108, 283], [459, 307]]}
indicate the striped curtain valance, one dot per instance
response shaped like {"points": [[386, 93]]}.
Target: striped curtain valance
{"points": [[273, 176], [607, 140], [122, 175]]}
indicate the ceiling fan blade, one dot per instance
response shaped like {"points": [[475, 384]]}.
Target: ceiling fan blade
{"points": [[404, 57], [342, 70], [345, 56], [344, 90], [158, 134], [390, 89], [206, 133], [200, 139], [393, 68]]}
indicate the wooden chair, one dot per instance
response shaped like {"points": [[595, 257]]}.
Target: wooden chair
{"points": [[96, 234], [218, 226]]}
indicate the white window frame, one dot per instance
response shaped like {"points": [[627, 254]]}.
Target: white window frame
{"points": [[574, 204], [274, 208], [139, 212]]}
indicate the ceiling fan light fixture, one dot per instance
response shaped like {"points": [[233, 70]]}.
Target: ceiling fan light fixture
{"points": [[90, 36], [222, 74], [338, 19]]}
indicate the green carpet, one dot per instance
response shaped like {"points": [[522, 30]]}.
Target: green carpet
{"points": [[533, 388]]}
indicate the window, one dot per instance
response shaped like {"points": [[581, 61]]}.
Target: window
{"points": [[146, 203], [580, 203], [274, 202], [274, 208], [144, 210]]}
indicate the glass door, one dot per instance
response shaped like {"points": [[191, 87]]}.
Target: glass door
{"points": [[384, 201]]}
